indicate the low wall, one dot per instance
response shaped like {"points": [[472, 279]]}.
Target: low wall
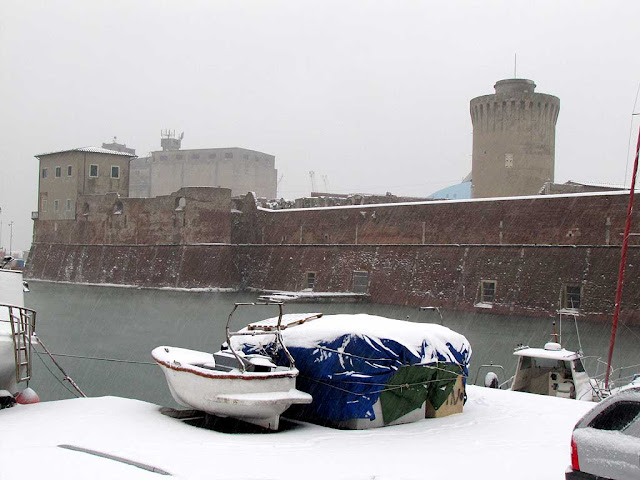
{"points": [[529, 278]]}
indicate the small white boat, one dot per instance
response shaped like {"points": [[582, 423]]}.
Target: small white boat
{"points": [[552, 371], [230, 384]]}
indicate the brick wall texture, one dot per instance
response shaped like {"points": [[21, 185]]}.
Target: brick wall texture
{"points": [[431, 254]]}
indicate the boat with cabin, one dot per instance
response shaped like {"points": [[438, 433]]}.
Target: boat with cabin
{"points": [[230, 383]]}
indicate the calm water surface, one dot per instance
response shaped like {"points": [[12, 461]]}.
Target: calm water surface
{"points": [[126, 324]]}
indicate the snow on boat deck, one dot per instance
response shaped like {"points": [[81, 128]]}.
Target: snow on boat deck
{"points": [[501, 434]]}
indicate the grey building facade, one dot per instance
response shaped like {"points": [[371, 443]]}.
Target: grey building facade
{"points": [[239, 169]]}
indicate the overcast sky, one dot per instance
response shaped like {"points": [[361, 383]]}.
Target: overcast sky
{"points": [[374, 95]]}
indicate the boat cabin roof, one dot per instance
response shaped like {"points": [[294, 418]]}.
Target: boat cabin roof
{"points": [[561, 354]]}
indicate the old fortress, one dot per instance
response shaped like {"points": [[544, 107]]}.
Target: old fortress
{"points": [[192, 219]]}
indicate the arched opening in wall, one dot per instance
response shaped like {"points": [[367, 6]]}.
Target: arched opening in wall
{"points": [[181, 202], [118, 208], [85, 209]]}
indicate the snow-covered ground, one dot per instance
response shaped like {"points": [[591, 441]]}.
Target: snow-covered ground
{"points": [[499, 435]]}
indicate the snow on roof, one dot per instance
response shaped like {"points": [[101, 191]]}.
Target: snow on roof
{"points": [[441, 202], [89, 150], [549, 354]]}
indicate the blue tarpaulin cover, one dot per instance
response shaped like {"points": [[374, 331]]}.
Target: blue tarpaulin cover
{"points": [[347, 362]]}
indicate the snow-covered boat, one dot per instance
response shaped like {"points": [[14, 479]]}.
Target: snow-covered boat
{"points": [[367, 371], [551, 370], [17, 326], [230, 383]]}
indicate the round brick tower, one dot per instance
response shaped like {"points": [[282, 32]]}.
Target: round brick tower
{"points": [[514, 139]]}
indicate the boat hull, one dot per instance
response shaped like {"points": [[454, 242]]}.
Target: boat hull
{"points": [[255, 397]]}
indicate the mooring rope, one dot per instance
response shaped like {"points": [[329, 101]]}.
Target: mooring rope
{"points": [[117, 360], [66, 377]]}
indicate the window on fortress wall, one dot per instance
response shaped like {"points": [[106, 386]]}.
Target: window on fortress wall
{"points": [[44, 205], [118, 208], [310, 280], [69, 170], [115, 171], [45, 171], [487, 291], [85, 209], [56, 205], [181, 202], [68, 205], [360, 281], [228, 155], [93, 171], [58, 172], [571, 297]]}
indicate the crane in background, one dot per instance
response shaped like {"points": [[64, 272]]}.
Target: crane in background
{"points": [[312, 177]]}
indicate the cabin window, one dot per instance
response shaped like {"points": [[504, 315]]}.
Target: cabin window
{"points": [[58, 172], [115, 171], [93, 171], [360, 281], [310, 280], [571, 297], [69, 170], [487, 291], [45, 171], [578, 366]]}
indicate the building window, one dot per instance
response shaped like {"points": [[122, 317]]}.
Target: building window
{"points": [[118, 208], [245, 156], [93, 170], [58, 172], [69, 170], [310, 280], [212, 155], [115, 171], [44, 172], [44, 205], [228, 155], [68, 205], [360, 281], [195, 156], [56, 205], [571, 297], [487, 291]]}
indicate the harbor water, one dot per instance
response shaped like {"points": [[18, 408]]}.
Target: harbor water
{"points": [[102, 336]]}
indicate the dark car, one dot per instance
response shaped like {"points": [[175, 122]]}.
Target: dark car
{"points": [[606, 442]]}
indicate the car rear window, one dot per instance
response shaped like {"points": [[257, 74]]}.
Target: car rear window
{"points": [[617, 417]]}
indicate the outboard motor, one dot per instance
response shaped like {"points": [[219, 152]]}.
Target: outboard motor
{"points": [[491, 380]]}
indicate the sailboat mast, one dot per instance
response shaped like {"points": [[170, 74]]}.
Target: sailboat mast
{"points": [[623, 261]]}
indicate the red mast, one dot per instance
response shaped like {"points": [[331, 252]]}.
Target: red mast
{"points": [[623, 261]]}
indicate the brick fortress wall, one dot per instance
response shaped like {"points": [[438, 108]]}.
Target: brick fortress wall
{"points": [[434, 253]]}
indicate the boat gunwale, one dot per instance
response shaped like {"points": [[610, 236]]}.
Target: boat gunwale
{"points": [[207, 373]]}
